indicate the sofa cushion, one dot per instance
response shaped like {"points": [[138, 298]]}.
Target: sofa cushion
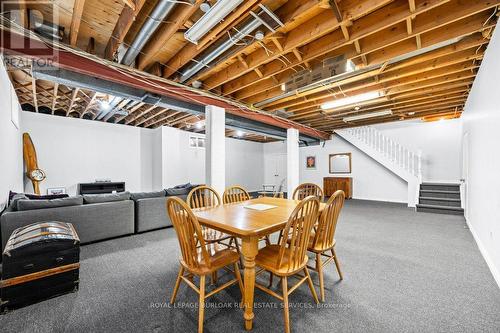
{"points": [[147, 195], [28, 204], [107, 197], [187, 185], [178, 191], [36, 196]]}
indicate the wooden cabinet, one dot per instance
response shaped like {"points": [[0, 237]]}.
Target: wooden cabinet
{"points": [[332, 184]]}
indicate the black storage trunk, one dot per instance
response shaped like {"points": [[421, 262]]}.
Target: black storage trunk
{"points": [[40, 261]]}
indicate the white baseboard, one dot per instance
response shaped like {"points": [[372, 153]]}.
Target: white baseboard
{"points": [[494, 270], [379, 199]]}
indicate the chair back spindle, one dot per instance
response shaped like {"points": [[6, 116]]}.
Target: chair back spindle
{"points": [[203, 197], [327, 223], [235, 194], [293, 249], [188, 232], [304, 190]]}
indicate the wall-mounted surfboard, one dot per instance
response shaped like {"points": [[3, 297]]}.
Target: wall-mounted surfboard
{"points": [[35, 174]]}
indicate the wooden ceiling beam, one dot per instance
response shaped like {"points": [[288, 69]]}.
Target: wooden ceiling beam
{"points": [[297, 14], [291, 13], [401, 71], [125, 20], [165, 32], [88, 104], [74, 95], [76, 19], [323, 27], [191, 51], [54, 97], [33, 91], [234, 18], [456, 29], [434, 77]]}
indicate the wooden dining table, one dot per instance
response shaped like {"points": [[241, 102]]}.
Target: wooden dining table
{"points": [[249, 225]]}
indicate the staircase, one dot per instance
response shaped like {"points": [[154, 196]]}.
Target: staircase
{"points": [[440, 198], [402, 161]]}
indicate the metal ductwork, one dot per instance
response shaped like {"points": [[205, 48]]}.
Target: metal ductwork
{"points": [[226, 45], [159, 13]]}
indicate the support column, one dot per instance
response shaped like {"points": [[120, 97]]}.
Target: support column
{"points": [[292, 160], [215, 148]]}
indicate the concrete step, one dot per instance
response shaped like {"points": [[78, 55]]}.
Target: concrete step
{"points": [[440, 201], [440, 209], [440, 194], [440, 186]]}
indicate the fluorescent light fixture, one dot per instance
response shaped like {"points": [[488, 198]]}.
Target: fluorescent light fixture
{"points": [[367, 115], [210, 19], [352, 100]]}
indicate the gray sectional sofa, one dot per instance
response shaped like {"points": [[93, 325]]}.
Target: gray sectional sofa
{"points": [[95, 217], [93, 221]]}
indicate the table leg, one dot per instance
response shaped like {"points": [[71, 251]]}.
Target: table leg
{"points": [[249, 250]]}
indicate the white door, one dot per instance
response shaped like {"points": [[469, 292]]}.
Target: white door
{"points": [[275, 171], [465, 174]]}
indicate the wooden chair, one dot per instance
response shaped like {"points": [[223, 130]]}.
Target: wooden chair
{"points": [[304, 190], [290, 256], [198, 260], [235, 194], [205, 197], [322, 240]]}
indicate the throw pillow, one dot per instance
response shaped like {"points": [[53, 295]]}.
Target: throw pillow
{"points": [[108, 197], [27, 204]]}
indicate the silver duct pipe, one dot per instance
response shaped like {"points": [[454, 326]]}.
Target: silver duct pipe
{"points": [[200, 64], [160, 12]]}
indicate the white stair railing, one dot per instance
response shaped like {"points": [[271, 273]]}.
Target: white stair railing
{"points": [[393, 151]]}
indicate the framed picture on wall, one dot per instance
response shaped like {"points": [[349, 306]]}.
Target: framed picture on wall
{"points": [[56, 190], [311, 162]]}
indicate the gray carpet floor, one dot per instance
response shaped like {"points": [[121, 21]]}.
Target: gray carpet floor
{"points": [[404, 272]]}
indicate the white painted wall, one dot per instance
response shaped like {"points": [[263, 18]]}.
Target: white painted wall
{"points": [[371, 181], [182, 164], [73, 151], [11, 148], [440, 142], [481, 120]]}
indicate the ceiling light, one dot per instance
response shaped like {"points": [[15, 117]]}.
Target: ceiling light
{"points": [[200, 124], [205, 7], [283, 87], [105, 105], [259, 35], [367, 115], [411, 113], [210, 19], [239, 134], [197, 84], [357, 108], [352, 100]]}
